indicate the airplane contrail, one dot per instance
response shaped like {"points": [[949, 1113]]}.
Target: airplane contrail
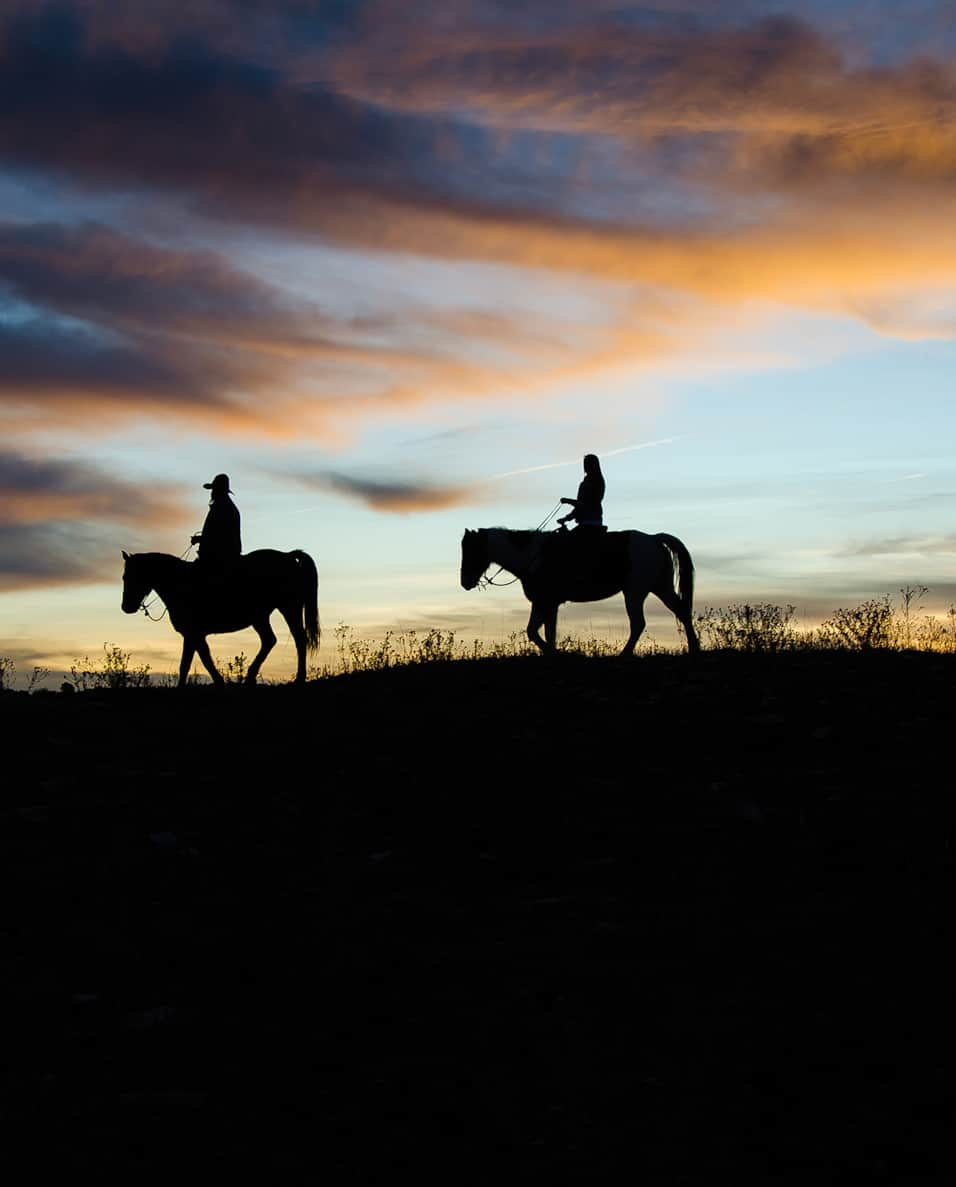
{"points": [[577, 460]]}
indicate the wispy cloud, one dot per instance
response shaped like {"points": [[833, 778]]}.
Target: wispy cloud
{"points": [[925, 546], [396, 495]]}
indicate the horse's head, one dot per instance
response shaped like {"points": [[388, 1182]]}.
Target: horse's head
{"points": [[474, 558], [136, 582]]}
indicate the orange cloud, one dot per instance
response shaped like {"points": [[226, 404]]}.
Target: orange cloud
{"points": [[783, 174], [777, 80]]}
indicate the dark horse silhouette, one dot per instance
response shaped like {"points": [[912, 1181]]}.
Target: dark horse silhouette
{"points": [[202, 604], [553, 568]]}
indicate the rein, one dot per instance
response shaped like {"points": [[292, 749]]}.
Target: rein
{"points": [[144, 605], [145, 609], [484, 582]]}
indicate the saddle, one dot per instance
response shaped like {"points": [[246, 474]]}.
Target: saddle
{"points": [[212, 578], [591, 553]]}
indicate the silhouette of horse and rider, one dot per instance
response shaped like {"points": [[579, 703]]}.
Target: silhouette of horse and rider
{"points": [[224, 591], [586, 564]]}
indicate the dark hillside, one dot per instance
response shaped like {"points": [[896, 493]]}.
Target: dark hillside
{"points": [[569, 921]]}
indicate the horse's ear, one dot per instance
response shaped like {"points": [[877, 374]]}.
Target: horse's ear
{"points": [[125, 555]]}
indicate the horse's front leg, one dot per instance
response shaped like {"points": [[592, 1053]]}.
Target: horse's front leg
{"points": [[202, 650], [186, 660], [551, 627], [540, 614], [267, 640]]}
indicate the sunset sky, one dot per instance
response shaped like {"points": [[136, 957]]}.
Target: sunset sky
{"points": [[396, 265]]}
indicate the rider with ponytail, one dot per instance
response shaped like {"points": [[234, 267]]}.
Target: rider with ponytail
{"points": [[586, 509]]}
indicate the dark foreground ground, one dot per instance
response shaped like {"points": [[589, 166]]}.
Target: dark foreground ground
{"points": [[576, 922]]}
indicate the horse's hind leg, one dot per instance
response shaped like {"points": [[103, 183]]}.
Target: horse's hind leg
{"points": [[293, 617], [672, 601], [267, 640], [634, 604]]}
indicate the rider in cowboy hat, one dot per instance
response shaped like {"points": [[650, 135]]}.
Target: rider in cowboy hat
{"points": [[220, 545]]}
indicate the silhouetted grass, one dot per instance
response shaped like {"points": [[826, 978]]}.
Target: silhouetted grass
{"points": [[112, 671], [872, 625], [875, 624], [761, 627], [356, 653]]}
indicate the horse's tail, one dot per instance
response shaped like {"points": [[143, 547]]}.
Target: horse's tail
{"points": [[683, 569], [310, 598]]}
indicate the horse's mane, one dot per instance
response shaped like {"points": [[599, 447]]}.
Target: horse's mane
{"points": [[521, 536], [160, 558]]}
